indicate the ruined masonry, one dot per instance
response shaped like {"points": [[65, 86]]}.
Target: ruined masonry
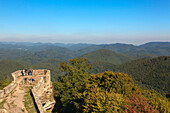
{"points": [[42, 89]]}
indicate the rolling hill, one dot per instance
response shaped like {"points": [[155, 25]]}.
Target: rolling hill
{"points": [[7, 67], [153, 73], [61, 51], [150, 50], [56, 53], [107, 56], [148, 71]]}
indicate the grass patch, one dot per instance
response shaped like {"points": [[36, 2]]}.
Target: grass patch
{"points": [[12, 102], [29, 104], [48, 111], [23, 110], [2, 103]]}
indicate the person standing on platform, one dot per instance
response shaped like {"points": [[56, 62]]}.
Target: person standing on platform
{"points": [[31, 71], [26, 71], [22, 72]]}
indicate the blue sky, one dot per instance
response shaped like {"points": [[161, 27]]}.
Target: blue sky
{"points": [[85, 21]]}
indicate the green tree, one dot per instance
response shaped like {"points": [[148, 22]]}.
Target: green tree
{"points": [[69, 87], [105, 92], [98, 100], [108, 92]]}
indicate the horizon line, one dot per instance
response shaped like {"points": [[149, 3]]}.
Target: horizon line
{"points": [[83, 42]]}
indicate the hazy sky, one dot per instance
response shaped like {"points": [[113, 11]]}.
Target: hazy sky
{"points": [[85, 21]]}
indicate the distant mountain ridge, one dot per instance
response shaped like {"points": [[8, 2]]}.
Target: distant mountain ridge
{"points": [[62, 51], [153, 49], [155, 43]]}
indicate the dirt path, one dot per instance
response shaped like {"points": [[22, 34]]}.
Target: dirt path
{"points": [[15, 100]]}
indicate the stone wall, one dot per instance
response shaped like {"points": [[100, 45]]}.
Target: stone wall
{"points": [[39, 71], [9, 88], [42, 91], [1, 93], [15, 75], [5, 91]]}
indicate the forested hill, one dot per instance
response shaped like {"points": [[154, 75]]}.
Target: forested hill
{"points": [[106, 56], [152, 73], [39, 51], [151, 49], [8, 66], [149, 72], [78, 91]]}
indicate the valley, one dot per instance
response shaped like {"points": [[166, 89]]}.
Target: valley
{"points": [[147, 64]]}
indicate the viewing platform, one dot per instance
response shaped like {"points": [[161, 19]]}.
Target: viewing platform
{"points": [[41, 88]]}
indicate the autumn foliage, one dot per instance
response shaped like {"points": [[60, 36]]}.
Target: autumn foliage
{"points": [[108, 92], [137, 103]]}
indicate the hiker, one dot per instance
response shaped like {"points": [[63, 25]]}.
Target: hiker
{"points": [[31, 71], [45, 71], [26, 71], [22, 72], [25, 80], [31, 80]]}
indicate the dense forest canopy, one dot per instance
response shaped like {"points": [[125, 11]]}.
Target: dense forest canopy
{"points": [[81, 88], [103, 57], [79, 91]]}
